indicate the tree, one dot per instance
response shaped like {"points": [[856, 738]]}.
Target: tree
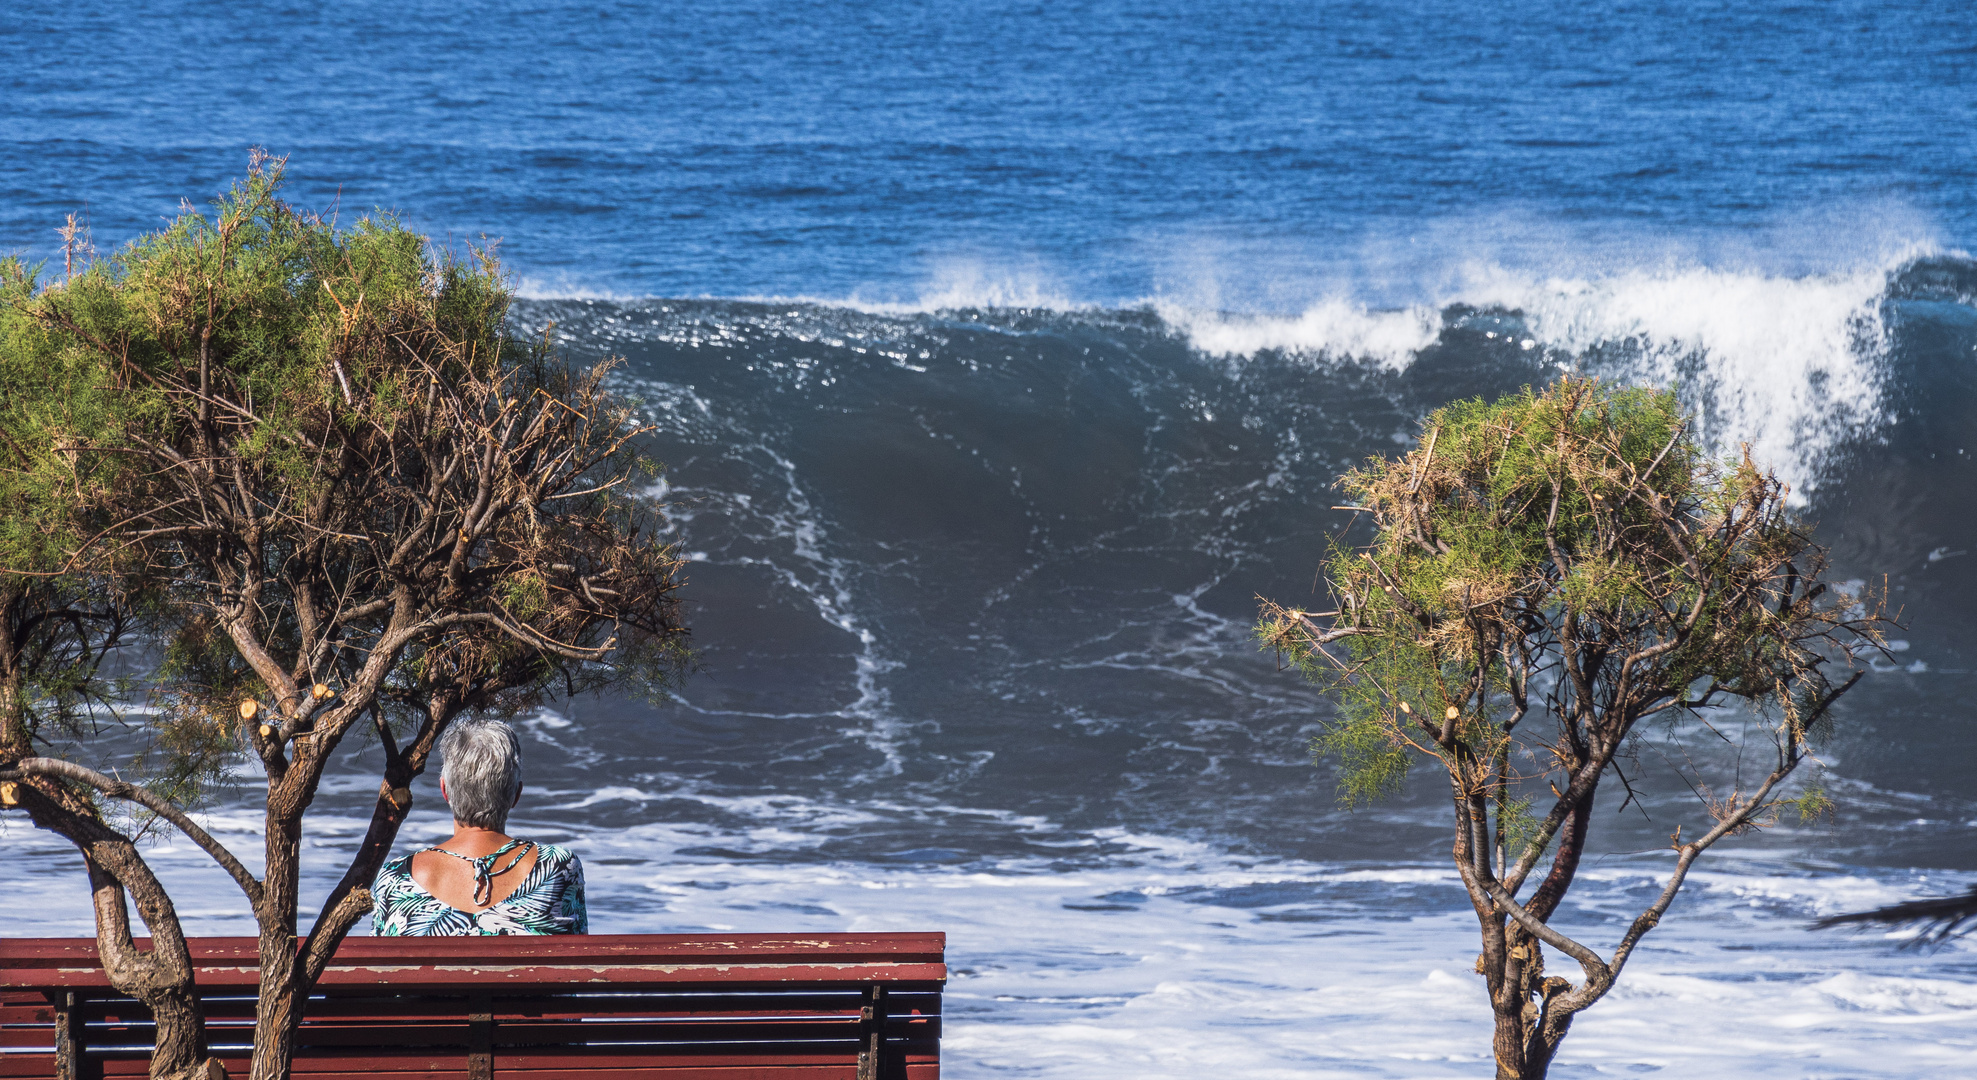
{"points": [[1570, 558], [58, 630], [362, 505]]}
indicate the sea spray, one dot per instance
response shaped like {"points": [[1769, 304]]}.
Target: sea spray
{"points": [[1793, 367]]}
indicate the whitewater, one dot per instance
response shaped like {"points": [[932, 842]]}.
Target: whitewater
{"points": [[1115, 954]]}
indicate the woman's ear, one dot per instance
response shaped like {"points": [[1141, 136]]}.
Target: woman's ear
{"points": [[442, 790], [518, 797]]}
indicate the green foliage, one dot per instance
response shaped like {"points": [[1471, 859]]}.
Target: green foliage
{"points": [[1810, 804], [1373, 764], [317, 384], [297, 318], [1520, 828], [1488, 492], [57, 624], [51, 401], [1580, 521], [308, 471]]}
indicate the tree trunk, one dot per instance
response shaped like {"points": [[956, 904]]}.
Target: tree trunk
{"points": [[1519, 965], [1508, 1046], [1526, 1039], [163, 978], [286, 978], [279, 1014], [1528, 1032], [1550, 1032]]}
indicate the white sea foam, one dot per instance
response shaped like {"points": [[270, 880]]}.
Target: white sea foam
{"points": [[952, 284], [563, 285], [1335, 329], [1788, 365], [1170, 957], [974, 283]]}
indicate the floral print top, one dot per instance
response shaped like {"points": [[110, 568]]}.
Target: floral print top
{"points": [[549, 901]]}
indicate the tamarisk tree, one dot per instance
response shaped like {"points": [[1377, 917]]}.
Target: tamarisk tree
{"points": [[1548, 574], [362, 507], [58, 631]]}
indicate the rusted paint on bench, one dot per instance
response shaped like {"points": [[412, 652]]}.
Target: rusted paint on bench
{"points": [[619, 1007]]}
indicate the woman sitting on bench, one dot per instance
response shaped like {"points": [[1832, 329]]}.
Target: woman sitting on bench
{"points": [[482, 881]]}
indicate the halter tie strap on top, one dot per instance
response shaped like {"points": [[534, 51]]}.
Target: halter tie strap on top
{"points": [[484, 872], [548, 899]]}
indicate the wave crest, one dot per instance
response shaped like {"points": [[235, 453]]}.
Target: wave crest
{"points": [[1790, 366]]}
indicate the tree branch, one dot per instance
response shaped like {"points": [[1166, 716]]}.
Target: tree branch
{"points": [[121, 789], [1596, 969]]}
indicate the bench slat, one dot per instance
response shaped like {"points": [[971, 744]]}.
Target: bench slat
{"points": [[616, 960], [27, 961], [813, 1068]]}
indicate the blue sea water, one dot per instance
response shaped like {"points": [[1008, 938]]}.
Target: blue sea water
{"points": [[1106, 151], [1002, 354]]}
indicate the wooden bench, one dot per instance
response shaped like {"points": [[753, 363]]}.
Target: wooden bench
{"points": [[602, 1007]]}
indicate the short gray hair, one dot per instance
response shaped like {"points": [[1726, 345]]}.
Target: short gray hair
{"points": [[482, 770]]}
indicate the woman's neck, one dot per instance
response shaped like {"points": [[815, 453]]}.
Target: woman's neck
{"points": [[472, 840]]}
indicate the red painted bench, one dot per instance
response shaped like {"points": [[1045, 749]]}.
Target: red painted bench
{"points": [[602, 1007]]}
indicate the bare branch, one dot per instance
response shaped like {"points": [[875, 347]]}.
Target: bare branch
{"points": [[119, 789]]}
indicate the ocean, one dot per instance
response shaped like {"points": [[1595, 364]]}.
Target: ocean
{"points": [[1001, 356]]}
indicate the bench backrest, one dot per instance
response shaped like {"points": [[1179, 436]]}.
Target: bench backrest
{"points": [[599, 1007]]}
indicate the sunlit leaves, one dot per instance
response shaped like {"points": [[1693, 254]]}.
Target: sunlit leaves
{"points": [[1579, 525]]}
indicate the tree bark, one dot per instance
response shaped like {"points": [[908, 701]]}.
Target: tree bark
{"points": [[163, 978], [1527, 1031], [285, 992], [278, 1015]]}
